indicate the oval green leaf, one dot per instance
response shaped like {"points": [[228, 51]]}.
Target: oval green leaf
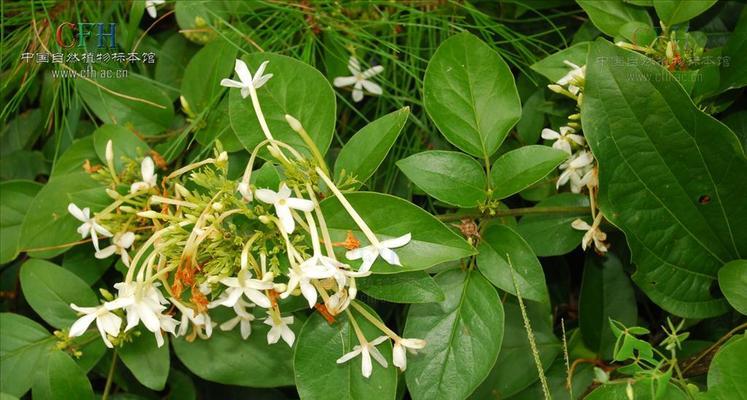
{"points": [[24, 350], [15, 198], [470, 94], [610, 15], [204, 72], [500, 244], [518, 169], [449, 176], [125, 143], [51, 289], [296, 89], [551, 234], [147, 362], [658, 152], [62, 380], [365, 151], [464, 334]]}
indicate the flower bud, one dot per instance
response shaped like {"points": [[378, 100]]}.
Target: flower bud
{"points": [[294, 123], [149, 214], [265, 219], [181, 190], [556, 88], [106, 294], [110, 152], [280, 287], [246, 191], [127, 209], [217, 206]]}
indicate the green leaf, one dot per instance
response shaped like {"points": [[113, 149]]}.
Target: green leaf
{"points": [[135, 103], [643, 389], [23, 164], [228, 359], [389, 217], [48, 222], [464, 334], [606, 292], [518, 169], [552, 234], [515, 369], [81, 262], [727, 378], [673, 12], [407, 287], [470, 94], [50, 290], [21, 132], [732, 279], [321, 344], [63, 380], [553, 66], [610, 15], [204, 72], [659, 153], [296, 89], [15, 197], [732, 72], [449, 176], [365, 151], [74, 157], [147, 362], [499, 244], [532, 119], [172, 60], [124, 144], [24, 349]]}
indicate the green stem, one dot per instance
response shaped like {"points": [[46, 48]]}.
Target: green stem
{"points": [[516, 212], [110, 377]]}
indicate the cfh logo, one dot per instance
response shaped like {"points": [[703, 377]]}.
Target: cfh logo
{"points": [[83, 30]]}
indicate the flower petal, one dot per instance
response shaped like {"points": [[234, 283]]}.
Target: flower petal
{"points": [[353, 65], [147, 168], [372, 88], [286, 218], [257, 298], [243, 72], [376, 69], [76, 212], [349, 356], [105, 252], [300, 204], [397, 242], [342, 81], [267, 196], [231, 83], [80, 326]]}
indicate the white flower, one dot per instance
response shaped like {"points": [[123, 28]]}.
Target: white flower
{"points": [[106, 321], [245, 191], [399, 355], [279, 330], [359, 80], [366, 350], [316, 267], [89, 226], [143, 302], [564, 138], [383, 249], [574, 78], [150, 6], [147, 170], [243, 318], [120, 243], [245, 78], [283, 204], [593, 234], [576, 170], [244, 284], [188, 315]]}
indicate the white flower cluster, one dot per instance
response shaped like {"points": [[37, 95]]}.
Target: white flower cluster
{"points": [[255, 284], [580, 170]]}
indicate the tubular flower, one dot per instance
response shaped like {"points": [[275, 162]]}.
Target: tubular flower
{"points": [[106, 321], [366, 350], [283, 204], [383, 249], [246, 79], [360, 79], [89, 226]]}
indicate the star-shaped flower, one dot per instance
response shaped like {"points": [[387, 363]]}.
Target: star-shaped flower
{"points": [[120, 243], [399, 355], [89, 226], [564, 139], [245, 78], [243, 318], [383, 249], [360, 79], [576, 170], [279, 330], [143, 302], [148, 172], [366, 351], [574, 78], [593, 234], [243, 284], [283, 204], [106, 321]]}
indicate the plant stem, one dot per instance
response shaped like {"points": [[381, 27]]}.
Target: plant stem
{"points": [[516, 212], [109, 377]]}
